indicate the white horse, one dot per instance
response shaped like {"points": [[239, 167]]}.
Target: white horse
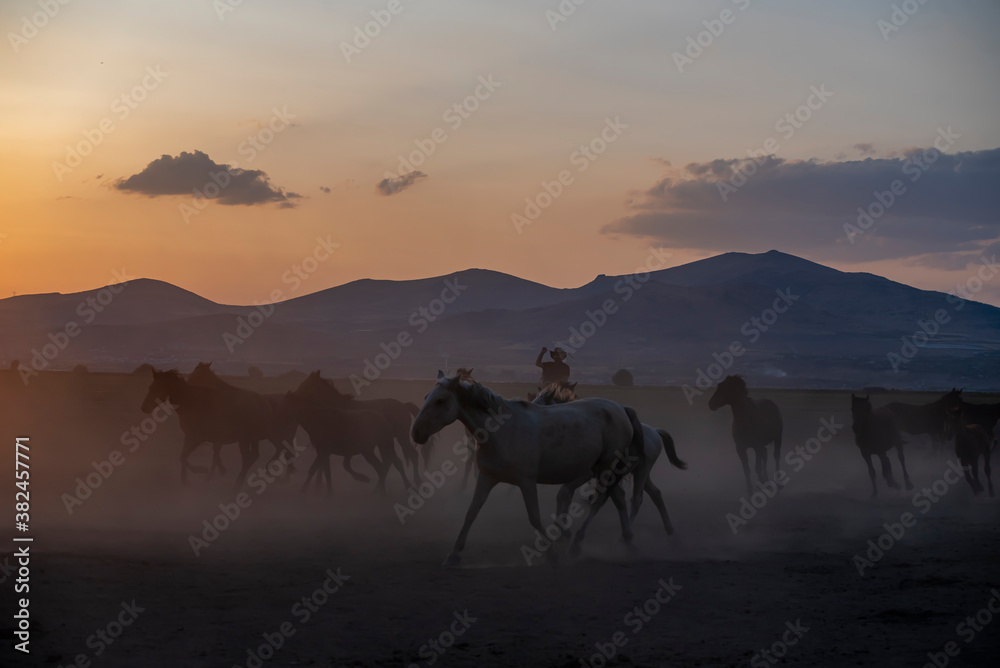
{"points": [[655, 441], [526, 445]]}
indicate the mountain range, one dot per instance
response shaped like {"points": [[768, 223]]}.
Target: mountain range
{"points": [[789, 321]]}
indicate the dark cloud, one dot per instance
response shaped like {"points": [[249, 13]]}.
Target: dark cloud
{"points": [[392, 185], [865, 148], [325, 189], [949, 205], [191, 172]]}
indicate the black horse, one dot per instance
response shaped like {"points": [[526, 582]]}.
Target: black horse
{"points": [[972, 441], [930, 419], [876, 431], [756, 423], [984, 415]]}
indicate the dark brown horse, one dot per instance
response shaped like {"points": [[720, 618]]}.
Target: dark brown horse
{"points": [[756, 423], [972, 441], [346, 432], [984, 415], [283, 423], [212, 415], [397, 414], [930, 419], [876, 431]]}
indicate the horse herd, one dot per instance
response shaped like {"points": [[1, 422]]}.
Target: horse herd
{"points": [[555, 438]]}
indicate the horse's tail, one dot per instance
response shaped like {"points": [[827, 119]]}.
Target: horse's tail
{"points": [[637, 447], [668, 449]]}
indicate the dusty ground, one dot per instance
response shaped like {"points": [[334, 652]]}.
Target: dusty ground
{"points": [[733, 595]]}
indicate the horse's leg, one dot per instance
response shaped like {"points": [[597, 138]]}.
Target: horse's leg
{"points": [[190, 443], [529, 492], [313, 470], [777, 452], [395, 462], [483, 486], [870, 462], [250, 451], [887, 470], [902, 464], [574, 547], [360, 477], [617, 495], [328, 475], [217, 461], [761, 463], [381, 468], [742, 452], [657, 497]]}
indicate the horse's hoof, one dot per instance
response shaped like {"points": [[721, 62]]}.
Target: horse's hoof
{"points": [[451, 560], [670, 529]]}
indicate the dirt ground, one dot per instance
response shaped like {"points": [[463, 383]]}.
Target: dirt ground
{"points": [[343, 581]]}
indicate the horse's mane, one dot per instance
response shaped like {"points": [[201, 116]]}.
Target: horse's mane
{"points": [[559, 392], [478, 394]]}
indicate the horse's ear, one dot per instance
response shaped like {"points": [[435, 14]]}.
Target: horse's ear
{"points": [[208, 365], [469, 372], [440, 374]]}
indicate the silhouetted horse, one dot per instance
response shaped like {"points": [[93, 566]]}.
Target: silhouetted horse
{"points": [[283, 426], [984, 415], [345, 432], [927, 419], [756, 423], [212, 415], [397, 414], [654, 442], [972, 441], [876, 432], [527, 445]]}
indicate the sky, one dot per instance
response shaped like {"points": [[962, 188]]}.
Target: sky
{"points": [[548, 140]]}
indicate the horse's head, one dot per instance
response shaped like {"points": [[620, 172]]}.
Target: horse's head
{"points": [[164, 383], [952, 401], [441, 408], [732, 388], [317, 388], [203, 375], [860, 406]]}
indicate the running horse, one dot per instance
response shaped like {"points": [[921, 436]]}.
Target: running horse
{"points": [[525, 445], [931, 419], [212, 415], [756, 423], [283, 422], [876, 431], [972, 441]]}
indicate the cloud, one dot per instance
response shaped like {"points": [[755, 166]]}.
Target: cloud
{"points": [[325, 189], [391, 186], [865, 148], [948, 204], [190, 172]]}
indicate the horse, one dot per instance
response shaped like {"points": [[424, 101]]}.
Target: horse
{"points": [[524, 444], [930, 419], [283, 427], [984, 415], [345, 432], [972, 441], [397, 414], [655, 441], [876, 431], [756, 423], [212, 415]]}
